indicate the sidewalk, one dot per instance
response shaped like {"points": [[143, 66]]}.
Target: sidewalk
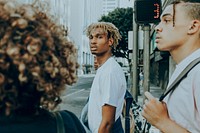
{"points": [[154, 90], [87, 75]]}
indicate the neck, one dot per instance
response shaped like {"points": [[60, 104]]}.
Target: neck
{"points": [[102, 60]]}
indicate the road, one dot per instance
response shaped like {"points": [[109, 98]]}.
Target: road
{"points": [[75, 97]]}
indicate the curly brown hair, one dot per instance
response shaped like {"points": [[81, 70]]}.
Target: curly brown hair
{"points": [[36, 59]]}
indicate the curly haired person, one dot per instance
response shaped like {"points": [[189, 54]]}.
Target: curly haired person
{"points": [[109, 86], [179, 33], [36, 62]]}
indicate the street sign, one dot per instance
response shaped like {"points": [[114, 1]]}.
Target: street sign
{"points": [[147, 11]]}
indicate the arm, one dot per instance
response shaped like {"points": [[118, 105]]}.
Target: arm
{"points": [[108, 119], [156, 113]]}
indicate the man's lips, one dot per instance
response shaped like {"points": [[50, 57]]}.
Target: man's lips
{"points": [[157, 39], [93, 48]]}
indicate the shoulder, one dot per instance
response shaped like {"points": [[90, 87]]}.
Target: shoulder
{"points": [[71, 122], [114, 66]]}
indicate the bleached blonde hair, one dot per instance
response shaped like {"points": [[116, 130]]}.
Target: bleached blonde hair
{"points": [[108, 28]]}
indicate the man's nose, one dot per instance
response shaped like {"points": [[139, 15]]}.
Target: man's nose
{"points": [[158, 28], [93, 40]]}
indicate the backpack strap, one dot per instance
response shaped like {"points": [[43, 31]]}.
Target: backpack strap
{"points": [[59, 122], [181, 76], [129, 99]]}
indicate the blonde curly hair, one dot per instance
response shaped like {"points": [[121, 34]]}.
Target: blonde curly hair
{"points": [[110, 29], [36, 59]]}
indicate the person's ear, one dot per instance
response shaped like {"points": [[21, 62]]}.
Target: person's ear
{"points": [[110, 41], [194, 27]]}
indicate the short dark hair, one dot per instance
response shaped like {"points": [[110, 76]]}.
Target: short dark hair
{"points": [[192, 7], [191, 1]]}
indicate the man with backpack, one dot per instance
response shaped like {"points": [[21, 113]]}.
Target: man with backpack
{"points": [[109, 86]]}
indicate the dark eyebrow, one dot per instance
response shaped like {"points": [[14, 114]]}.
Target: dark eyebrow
{"points": [[98, 34]]}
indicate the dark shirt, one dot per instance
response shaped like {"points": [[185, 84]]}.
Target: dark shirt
{"points": [[42, 123]]}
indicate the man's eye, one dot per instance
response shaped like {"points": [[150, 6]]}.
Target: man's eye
{"points": [[167, 20], [99, 37], [90, 37]]}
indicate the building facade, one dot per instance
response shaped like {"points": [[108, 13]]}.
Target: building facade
{"points": [[76, 15]]}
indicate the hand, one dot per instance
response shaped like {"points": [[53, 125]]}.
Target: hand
{"points": [[154, 111]]}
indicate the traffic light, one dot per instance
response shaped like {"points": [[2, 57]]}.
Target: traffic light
{"points": [[147, 11]]}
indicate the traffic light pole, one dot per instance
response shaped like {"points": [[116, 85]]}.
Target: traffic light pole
{"points": [[146, 59], [145, 17], [134, 65]]}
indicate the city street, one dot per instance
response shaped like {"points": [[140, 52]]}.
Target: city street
{"points": [[75, 97]]}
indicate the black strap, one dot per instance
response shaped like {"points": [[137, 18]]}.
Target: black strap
{"points": [[59, 122], [129, 99], [181, 76]]}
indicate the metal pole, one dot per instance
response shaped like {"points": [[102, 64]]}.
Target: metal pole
{"points": [[146, 59], [135, 86]]}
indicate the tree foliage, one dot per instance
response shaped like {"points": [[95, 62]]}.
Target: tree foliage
{"points": [[122, 18]]}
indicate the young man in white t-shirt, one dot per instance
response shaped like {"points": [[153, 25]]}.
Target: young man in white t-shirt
{"points": [[179, 33], [109, 86]]}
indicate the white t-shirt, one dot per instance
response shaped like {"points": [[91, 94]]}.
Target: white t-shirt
{"points": [[184, 103], [108, 87]]}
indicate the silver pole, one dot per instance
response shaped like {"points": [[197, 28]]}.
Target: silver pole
{"points": [[135, 86], [146, 59]]}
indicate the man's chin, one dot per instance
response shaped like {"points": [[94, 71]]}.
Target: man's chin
{"points": [[97, 54], [162, 49], [94, 53]]}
